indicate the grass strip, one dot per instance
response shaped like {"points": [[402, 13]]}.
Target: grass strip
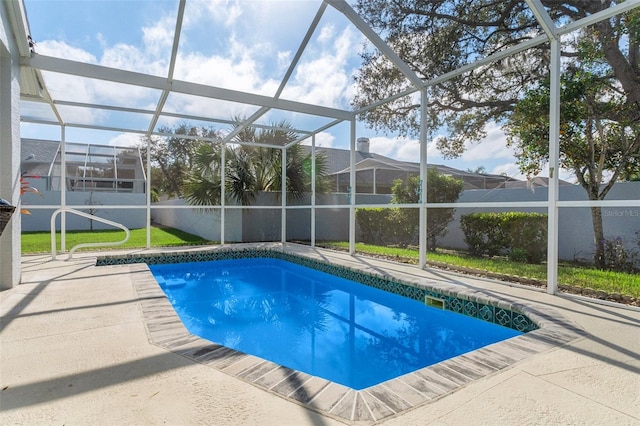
{"points": [[568, 274], [40, 242]]}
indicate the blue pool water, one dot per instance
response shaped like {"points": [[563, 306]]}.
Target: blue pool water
{"points": [[317, 323]]}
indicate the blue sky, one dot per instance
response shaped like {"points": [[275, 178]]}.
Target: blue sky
{"points": [[245, 45]]}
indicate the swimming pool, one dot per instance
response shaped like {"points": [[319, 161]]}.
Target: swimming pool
{"points": [[543, 327], [318, 323]]}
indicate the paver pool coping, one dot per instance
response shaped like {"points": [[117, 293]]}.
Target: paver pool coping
{"points": [[390, 398]]}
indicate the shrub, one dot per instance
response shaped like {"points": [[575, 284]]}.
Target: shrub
{"points": [[440, 189], [518, 255], [618, 258], [523, 236], [484, 233], [527, 232], [373, 225]]}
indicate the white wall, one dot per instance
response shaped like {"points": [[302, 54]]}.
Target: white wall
{"points": [[575, 230], [10, 252], [198, 222], [575, 235], [96, 203]]}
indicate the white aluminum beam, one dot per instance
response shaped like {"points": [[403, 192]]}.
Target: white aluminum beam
{"points": [[151, 112], [554, 168], [313, 191], [172, 66], [303, 46], [104, 107], [543, 18], [600, 16], [343, 7], [352, 189], [422, 226], [81, 69]]}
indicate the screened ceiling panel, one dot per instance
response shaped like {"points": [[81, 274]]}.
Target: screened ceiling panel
{"points": [[101, 117], [186, 105], [251, 47], [73, 88], [86, 26], [297, 120], [36, 110], [196, 60]]}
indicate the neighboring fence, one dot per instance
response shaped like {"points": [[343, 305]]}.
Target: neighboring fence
{"points": [[250, 225], [205, 224], [575, 230], [263, 224], [97, 204]]}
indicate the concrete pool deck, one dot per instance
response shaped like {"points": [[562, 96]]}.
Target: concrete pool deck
{"points": [[75, 349]]}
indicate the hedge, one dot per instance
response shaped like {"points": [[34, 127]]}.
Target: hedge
{"points": [[522, 236]]}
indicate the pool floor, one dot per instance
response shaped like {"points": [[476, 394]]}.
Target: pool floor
{"points": [[371, 404]]}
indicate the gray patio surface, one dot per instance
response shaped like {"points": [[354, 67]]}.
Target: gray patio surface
{"points": [[75, 349]]}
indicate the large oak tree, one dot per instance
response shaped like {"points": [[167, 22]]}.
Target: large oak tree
{"points": [[435, 37]]}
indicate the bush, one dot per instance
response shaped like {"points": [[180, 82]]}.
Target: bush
{"points": [[618, 258], [440, 189], [522, 236], [527, 232], [373, 225], [518, 255], [484, 233], [386, 227]]}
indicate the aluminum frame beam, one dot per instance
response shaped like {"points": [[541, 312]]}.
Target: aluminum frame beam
{"points": [[99, 72]]}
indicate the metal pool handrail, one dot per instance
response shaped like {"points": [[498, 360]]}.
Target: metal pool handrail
{"points": [[88, 216]]}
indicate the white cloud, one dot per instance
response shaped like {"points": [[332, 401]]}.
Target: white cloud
{"points": [[509, 169], [158, 39], [322, 78], [327, 32], [492, 147], [125, 139], [128, 57], [323, 139], [284, 59], [63, 50], [225, 12]]}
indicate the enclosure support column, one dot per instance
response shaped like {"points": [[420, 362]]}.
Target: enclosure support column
{"points": [[283, 189], [148, 189], [223, 176], [63, 189], [423, 180], [554, 153], [10, 251], [352, 189], [313, 190]]}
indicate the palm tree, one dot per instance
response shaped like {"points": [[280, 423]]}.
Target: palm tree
{"points": [[202, 185], [251, 169]]}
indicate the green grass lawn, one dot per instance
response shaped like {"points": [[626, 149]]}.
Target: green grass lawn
{"points": [[609, 281], [568, 274], [40, 242]]}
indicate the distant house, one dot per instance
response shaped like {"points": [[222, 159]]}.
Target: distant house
{"points": [[375, 173], [99, 168], [97, 176]]}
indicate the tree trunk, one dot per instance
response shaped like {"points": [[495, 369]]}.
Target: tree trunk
{"points": [[598, 237]]}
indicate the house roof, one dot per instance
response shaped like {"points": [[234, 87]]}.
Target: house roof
{"points": [[43, 151], [338, 163]]}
